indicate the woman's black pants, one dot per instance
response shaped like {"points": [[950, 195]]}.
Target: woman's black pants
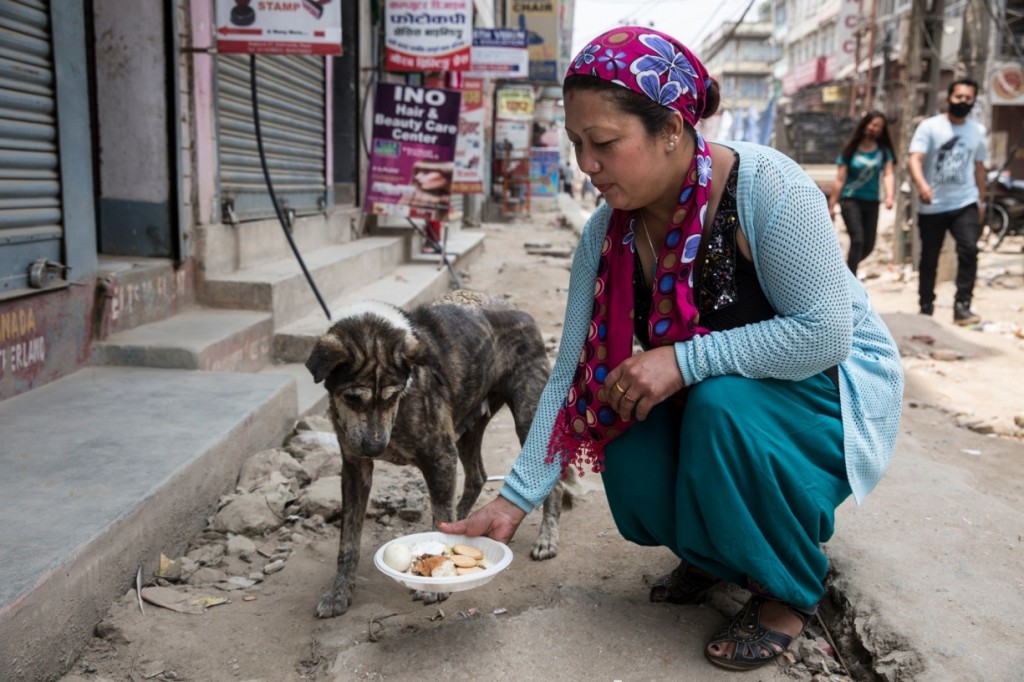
{"points": [[861, 218]]}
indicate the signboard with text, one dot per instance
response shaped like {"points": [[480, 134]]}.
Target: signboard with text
{"points": [[499, 53], [413, 150], [539, 18], [427, 35], [469, 147], [544, 171], [279, 27]]}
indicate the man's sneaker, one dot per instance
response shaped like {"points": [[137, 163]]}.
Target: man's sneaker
{"points": [[927, 309], [963, 315]]}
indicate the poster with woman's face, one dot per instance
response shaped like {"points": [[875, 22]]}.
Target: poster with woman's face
{"points": [[413, 151]]}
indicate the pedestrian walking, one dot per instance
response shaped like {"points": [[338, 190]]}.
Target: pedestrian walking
{"points": [[947, 155], [767, 389], [864, 171]]}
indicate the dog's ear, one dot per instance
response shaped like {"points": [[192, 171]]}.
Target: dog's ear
{"points": [[328, 353], [421, 354]]}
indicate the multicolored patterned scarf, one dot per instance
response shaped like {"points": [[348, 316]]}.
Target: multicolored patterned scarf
{"points": [[656, 65]]}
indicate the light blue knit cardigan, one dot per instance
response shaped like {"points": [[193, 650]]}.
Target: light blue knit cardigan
{"points": [[824, 318]]}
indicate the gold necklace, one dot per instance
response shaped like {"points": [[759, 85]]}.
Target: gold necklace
{"points": [[654, 253]]}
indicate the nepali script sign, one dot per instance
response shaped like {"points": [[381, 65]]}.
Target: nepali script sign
{"points": [[428, 35], [412, 155]]}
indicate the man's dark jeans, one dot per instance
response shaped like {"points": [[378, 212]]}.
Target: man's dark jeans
{"points": [[964, 226]]}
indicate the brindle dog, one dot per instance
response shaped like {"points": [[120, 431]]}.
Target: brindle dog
{"points": [[420, 387]]}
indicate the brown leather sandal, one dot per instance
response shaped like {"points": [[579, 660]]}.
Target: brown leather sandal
{"points": [[684, 585], [754, 644]]}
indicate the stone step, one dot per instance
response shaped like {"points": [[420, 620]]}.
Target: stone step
{"points": [[280, 288], [312, 398], [105, 470], [206, 339], [420, 281], [136, 291]]}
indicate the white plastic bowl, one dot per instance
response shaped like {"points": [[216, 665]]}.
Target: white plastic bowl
{"points": [[499, 556]]}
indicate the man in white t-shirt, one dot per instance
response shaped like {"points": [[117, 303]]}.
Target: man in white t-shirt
{"points": [[946, 162]]}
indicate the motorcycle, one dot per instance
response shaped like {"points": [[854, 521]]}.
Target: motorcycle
{"points": [[1004, 207]]}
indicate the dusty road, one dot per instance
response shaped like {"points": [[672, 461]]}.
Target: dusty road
{"points": [[585, 614]]}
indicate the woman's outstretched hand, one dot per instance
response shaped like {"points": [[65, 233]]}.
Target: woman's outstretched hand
{"points": [[498, 519]]}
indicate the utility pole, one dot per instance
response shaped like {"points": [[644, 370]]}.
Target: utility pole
{"points": [[920, 99], [871, 55], [974, 45]]}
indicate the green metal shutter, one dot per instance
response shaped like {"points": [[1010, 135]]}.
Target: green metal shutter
{"points": [[30, 206], [293, 123]]}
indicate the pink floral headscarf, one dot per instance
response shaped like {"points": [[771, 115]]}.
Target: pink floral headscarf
{"points": [[648, 62], [662, 69]]}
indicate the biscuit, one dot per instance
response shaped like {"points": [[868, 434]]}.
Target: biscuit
{"points": [[462, 561], [467, 571], [466, 550]]}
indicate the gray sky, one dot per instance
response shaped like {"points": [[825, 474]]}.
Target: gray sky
{"points": [[687, 20]]}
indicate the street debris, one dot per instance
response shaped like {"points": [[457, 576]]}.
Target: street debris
{"points": [[182, 602]]}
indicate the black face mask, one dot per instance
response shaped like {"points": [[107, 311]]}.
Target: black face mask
{"points": [[960, 109]]}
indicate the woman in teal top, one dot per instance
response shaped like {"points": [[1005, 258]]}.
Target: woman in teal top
{"points": [[866, 159]]}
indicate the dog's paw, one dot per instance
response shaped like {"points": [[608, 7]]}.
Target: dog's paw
{"points": [[430, 597], [332, 604], [544, 548]]}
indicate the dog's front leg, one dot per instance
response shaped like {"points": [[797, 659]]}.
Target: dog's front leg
{"points": [[439, 469], [356, 478]]}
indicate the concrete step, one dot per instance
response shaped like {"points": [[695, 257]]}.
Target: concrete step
{"points": [[312, 398], [105, 470], [280, 288], [409, 285], [201, 338], [136, 291]]}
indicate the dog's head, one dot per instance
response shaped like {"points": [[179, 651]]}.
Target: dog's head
{"points": [[366, 360]]}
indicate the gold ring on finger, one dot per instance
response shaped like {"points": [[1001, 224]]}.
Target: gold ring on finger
{"points": [[626, 397], [619, 388]]}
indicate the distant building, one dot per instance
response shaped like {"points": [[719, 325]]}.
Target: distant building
{"points": [[740, 57]]}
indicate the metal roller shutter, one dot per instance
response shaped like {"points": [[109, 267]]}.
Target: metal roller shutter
{"points": [[293, 122], [30, 205]]}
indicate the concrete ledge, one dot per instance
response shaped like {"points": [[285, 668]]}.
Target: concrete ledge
{"points": [[409, 285], [281, 288], [211, 340], [104, 470]]}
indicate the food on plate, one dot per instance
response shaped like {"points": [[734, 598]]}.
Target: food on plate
{"points": [[466, 550], [433, 559], [398, 557]]}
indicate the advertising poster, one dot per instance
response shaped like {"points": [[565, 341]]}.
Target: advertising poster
{"points": [[469, 148], [544, 172], [305, 27], [1007, 83], [413, 150], [499, 53], [539, 18], [428, 35], [515, 102]]}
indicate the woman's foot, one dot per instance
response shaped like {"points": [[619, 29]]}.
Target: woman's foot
{"points": [[758, 634], [686, 584]]}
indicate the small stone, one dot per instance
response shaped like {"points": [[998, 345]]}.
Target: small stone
{"points": [[273, 567]]}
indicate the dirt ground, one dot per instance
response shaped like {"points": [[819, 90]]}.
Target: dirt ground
{"points": [[269, 632]]}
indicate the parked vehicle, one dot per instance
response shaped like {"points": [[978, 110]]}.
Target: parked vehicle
{"points": [[1004, 207]]}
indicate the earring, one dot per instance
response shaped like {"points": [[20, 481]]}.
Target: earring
{"points": [[672, 142]]}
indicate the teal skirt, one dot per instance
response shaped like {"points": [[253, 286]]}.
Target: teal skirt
{"points": [[743, 482]]}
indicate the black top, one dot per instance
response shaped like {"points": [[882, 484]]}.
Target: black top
{"points": [[726, 289]]}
